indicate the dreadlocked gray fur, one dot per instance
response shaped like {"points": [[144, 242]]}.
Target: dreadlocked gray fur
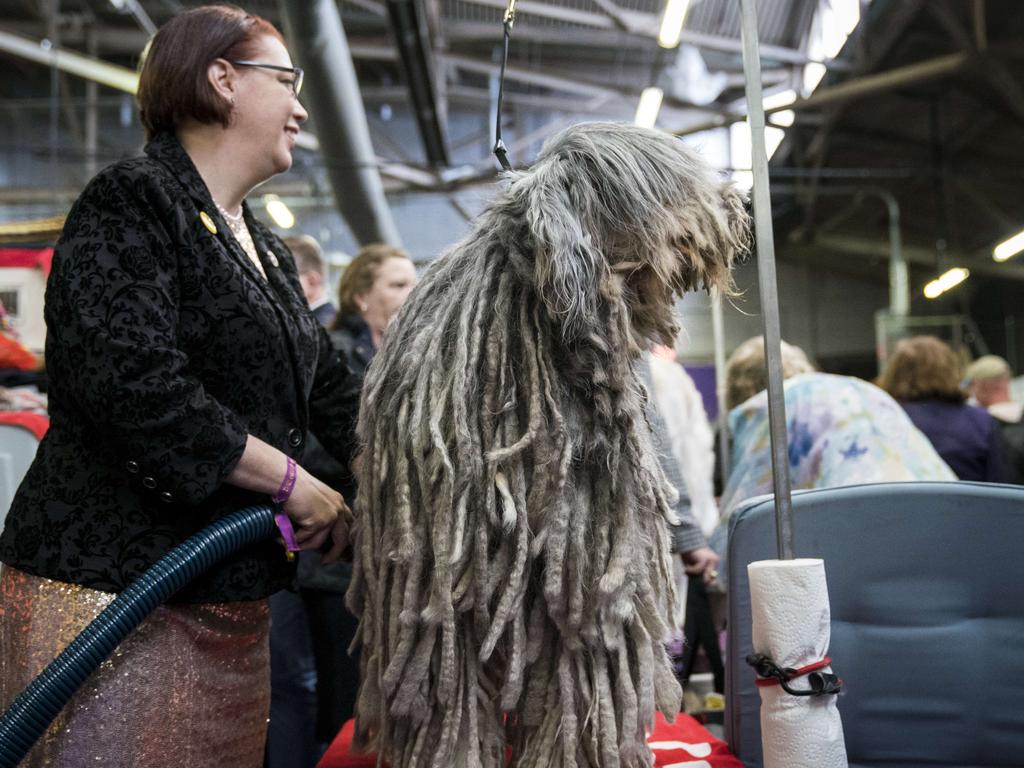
{"points": [[512, 567]]}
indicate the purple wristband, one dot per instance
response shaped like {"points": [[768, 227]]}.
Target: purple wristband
{"points": [[291, 473], [284, 525]]}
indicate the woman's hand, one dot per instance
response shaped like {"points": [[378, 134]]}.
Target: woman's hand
{"points": [[339, 537], [702, 562], [314, 509]]}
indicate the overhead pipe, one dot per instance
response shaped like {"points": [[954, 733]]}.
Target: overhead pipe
{"points": [[412, 39], [42, 52], [318, 41], [867, 85]]}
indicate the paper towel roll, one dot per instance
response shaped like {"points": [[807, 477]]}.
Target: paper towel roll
{"points": [[791, 624]]}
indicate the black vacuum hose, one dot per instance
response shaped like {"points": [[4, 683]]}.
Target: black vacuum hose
{"points": [[36, 707]]}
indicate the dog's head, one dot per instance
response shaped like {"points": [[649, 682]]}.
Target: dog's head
{"points": [[617, 213]]}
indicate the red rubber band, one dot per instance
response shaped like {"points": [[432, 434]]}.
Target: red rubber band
{"points": [[814, 667]]}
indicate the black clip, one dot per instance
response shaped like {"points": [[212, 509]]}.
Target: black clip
{"points": [[822, 683]]}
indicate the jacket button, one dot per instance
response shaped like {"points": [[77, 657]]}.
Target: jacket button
{"points": [[131, 466], [149, 482], [294, 438], [166, 497]]}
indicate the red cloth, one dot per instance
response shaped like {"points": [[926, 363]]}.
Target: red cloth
{"points": [[685, 742], [14, 355], [27, 258], [36, 423]]}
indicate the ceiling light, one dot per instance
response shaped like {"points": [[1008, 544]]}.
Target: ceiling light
{"points": [[647, 109], [813, 72], [786, 117], [1009, 248], [944, 282], [672, 23], [278, 211]]}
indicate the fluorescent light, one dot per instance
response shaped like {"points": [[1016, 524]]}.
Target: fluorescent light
{"points": [[649, 106], [772, 138], [945, 281], [278, 211], [813, 72], [672, 23], [740, 145], [780, 99], [1009, 248]]}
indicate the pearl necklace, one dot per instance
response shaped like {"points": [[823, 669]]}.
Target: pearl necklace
{"points": [[236, 221], [241, 232]]}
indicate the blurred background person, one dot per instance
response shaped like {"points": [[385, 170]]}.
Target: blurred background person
{"points": [[841, 430], [924, 375], [683, 439], [988, 381], [309, 260], [692, 438], [373, 288], [186, 373], [293, 740], [371, 291]]}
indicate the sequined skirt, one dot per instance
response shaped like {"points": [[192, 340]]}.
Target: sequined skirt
{"points": [[190, 687]]}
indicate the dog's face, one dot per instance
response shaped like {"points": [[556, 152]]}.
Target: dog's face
{"points": [[628, 216]]}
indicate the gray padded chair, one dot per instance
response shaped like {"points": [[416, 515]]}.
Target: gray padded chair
{"points": [[17, 449], [926, 585]]}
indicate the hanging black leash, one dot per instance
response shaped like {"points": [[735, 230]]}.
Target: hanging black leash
{"points": [[500, 150]]}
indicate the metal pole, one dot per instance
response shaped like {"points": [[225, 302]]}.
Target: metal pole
{"points": [[767, 284], [718, 335], [899, 280], [91, 110]]}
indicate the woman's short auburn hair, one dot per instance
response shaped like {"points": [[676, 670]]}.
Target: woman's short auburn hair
{"points": [[923, 368], [360, 274], [173, 82]]}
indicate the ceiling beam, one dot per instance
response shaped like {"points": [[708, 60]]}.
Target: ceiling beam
{"points": [[868, 85], [997, 73], [979, 261], [111, 75], [646, 25]]}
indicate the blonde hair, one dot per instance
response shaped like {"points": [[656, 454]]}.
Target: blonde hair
{"points": [[746, 372], [360, 274]]}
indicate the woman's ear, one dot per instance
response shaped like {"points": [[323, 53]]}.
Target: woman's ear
{"points": [[568, 266], [223, 78]]}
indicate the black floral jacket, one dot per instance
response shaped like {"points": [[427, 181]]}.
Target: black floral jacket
{"points": [[165, 346]]}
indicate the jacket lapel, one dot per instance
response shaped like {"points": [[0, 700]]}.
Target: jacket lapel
{"points": [[166, 148]]}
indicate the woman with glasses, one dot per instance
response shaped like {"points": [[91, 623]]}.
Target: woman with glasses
{"points": [[186, 372]]}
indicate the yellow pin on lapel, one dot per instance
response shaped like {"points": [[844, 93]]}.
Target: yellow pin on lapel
{"points": [[208, 222]]}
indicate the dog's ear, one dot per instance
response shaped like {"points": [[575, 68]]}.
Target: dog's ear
{"points": [[567, 265], [739, 234]]}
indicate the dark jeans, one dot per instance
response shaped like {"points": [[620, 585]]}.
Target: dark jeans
{"points": [[291, 737], [701, 633], [333, 629]]}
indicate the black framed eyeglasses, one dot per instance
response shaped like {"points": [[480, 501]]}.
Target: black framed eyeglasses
{"points": [[296, 72]]}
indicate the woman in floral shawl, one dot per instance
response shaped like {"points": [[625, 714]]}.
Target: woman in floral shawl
{"points": [[842, 431]]}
